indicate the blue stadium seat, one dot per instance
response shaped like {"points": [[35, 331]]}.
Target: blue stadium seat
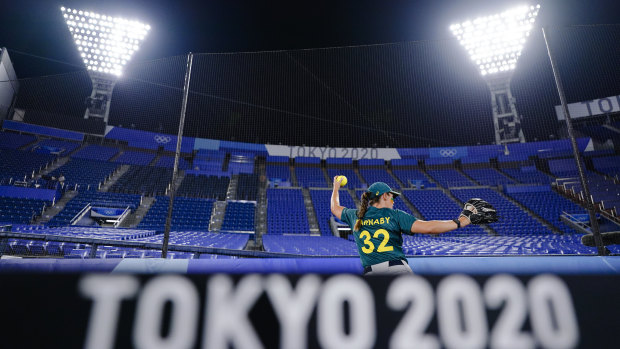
{"points": [[310, 245], [488, 176], [310, 176], [321, 202], [450, 178], [239, 216], [11, 140], [135, 158], [86, 174], [353, 180], [143, 180], [96, 152], [210, 187], [371, 175], [286, 212]]}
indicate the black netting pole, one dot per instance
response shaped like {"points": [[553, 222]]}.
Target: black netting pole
{"points": [[177, 154], [569, 125]]}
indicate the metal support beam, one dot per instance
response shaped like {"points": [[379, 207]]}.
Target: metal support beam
{"points": [[175, 170], [98, 103], [505, 118], [569, 125]]}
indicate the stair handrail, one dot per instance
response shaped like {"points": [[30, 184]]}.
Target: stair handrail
{"points": [[80, 214]]}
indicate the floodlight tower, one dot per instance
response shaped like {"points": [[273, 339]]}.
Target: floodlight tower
{"points": [[494, 44], [105, 44]]}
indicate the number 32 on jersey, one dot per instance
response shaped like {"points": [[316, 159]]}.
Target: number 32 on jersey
{"points": [[369, 247]]}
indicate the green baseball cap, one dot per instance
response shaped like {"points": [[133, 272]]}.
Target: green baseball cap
{"points": [[380, 188]]}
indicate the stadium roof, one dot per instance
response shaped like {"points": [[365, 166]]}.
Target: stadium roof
{"points": [[33, 29]]}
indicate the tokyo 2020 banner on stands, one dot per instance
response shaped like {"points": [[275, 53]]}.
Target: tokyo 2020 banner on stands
{"points": [[592, 107], [330, 152]]}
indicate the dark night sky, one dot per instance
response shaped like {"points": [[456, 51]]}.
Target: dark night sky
{"points": [[34, 28]]}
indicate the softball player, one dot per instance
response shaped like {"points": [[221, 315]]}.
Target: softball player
{"points": [[378, 228]]}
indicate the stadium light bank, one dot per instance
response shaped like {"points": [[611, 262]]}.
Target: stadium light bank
{"points": [[494, 44], [105, 44]]}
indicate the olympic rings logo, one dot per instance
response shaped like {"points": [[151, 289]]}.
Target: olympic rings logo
{"points": [[162, 139], [448, 152]]}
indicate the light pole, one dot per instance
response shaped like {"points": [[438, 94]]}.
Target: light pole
{"points": [[105, 44], [494, 44]]}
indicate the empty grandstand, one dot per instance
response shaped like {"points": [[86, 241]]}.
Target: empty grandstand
{"points": [[262, 143], [167, 168]]}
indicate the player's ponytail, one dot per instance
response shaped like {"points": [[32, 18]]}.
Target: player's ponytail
{"points": [[366, 201]]}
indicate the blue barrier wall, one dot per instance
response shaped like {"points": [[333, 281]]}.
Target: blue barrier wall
{"points": [[439, 161], [449, 152], [475, 159], [29, 193], [404, 162], [259, 149], [371, 162], [413, 153], [150, 140], [485, 151], [564, 265], [307, 160], [42, 130], [208, 144]]}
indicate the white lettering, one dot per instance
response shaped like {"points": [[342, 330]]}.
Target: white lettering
{"points": [[552, 313], [334, 154], [227, 312], [414, 294], [322, 149], [507, 292], [293, 307], [150, 310], [330, 315], [460, 313], [609, 108], [301, 151], [106, 291], [590, 108], [327, 152]]}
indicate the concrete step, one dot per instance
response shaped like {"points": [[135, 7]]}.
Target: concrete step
{"points": [[360, 177], [400, 183], [293, 176], [313, 224], [231, 192], [260, 214], [155, 160], [217, 216], [58, 206], [29, 145], [118, 173], [54, 165], [138, 215], [116, 156]]}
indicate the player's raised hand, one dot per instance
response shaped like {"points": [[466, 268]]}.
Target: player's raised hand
{"points": [[340, 180], [336, 182]]}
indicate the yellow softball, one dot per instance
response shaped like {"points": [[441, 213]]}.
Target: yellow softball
{"points": [[342, 179]]}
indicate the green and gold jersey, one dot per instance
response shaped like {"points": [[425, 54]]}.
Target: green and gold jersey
{"points": [[380, 238]]}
